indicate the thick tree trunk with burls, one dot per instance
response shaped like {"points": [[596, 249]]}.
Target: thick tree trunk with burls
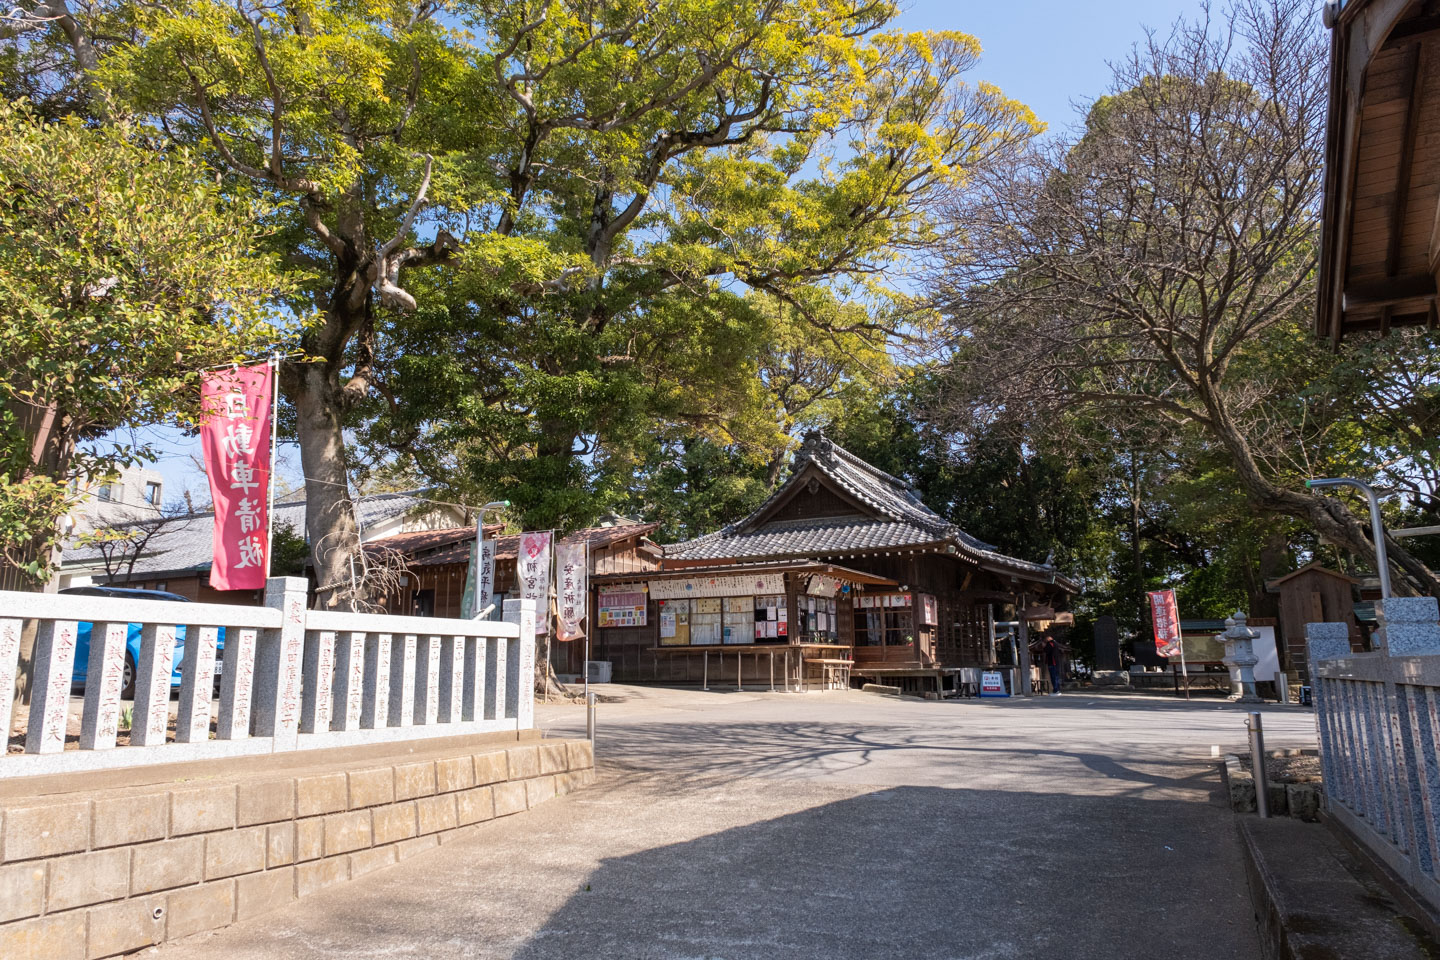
{"points": [[329, 515]]}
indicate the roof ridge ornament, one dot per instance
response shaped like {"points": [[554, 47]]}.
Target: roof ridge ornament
{"points": [[818, 447]]}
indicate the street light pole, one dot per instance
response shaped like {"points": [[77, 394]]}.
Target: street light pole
{"points": [[1377, 526]]}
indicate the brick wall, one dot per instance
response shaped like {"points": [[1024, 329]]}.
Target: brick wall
{"points": [[86, 876]]}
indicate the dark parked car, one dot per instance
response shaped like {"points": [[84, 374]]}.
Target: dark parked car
{"points": [[132, 641]]}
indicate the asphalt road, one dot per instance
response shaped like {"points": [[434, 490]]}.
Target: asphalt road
{"points": [[738, 826]]}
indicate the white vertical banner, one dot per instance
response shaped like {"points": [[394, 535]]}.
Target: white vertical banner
{"points": [[572, 575], [533, 572], [485, 577]]}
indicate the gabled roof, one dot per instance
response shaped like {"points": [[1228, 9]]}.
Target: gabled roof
{"points": [[891, 515], [1313, 567]]}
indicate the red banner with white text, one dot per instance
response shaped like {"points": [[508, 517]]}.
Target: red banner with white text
{"points": [[235, 437], [1166, 617]]}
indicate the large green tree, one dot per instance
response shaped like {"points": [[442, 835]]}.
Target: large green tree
{"points": [[567, 168], [123, 271]]}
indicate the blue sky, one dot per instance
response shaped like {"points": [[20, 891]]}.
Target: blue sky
{"points": [[1049, 54]]}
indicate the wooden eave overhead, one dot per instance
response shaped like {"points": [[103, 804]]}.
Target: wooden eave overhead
{"points": [[1380, 244]]}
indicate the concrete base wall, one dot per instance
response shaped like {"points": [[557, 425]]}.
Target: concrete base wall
{"points": [[92, 871]]}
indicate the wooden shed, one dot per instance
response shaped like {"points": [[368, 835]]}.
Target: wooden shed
{"points": [[1380, 248], [1313, 594]]}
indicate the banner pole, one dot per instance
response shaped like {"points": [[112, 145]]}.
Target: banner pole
{"points": [[274, 431]]}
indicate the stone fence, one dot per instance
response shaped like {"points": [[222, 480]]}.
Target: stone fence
{"points": [[290, 678], [1378, 719]]}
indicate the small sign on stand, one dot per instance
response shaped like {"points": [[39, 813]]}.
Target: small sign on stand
{"points": [[992, 684]]}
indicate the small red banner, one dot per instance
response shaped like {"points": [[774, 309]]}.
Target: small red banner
{"points": [[235, 437], [1166, 617]]}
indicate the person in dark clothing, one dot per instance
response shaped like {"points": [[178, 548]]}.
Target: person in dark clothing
{"points": [[1052, 655]]}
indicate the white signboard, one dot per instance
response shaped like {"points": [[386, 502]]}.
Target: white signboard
{"points": [[992, 684], [736, 585], [485, 577], [533, 572]]}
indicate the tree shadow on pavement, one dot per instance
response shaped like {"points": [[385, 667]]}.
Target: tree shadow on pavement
{"points": [[924, 872]]}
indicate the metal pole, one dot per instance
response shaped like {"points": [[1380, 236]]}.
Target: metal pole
{"points": [[705, 673], [590, 717], [1257, 764], [274, 429], [1282, 686], [1377, 526], [1184, 670]]}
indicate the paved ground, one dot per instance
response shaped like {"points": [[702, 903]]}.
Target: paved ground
{"points": [[730, 826]]}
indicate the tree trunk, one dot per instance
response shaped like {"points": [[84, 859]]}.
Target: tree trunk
{"points": [[1328, 516], [329, 513]]}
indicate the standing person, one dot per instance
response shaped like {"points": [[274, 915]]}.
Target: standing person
{"points": [[1051, 653]]}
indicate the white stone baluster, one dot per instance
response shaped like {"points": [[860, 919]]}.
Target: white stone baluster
{"points": [[473, 694], [50, 703], [495, 677], [197, 684], [318, 676], [375, 703], [152, 685], [9, 668], [104, 674], [277, 664], [427, 682], [237, 677], [402, 682], [349, 681], [452, 678]]}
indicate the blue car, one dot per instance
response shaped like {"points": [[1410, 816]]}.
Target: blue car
{"points": [[132, 640]]}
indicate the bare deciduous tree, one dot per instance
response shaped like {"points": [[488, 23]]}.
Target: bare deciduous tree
{"points": [[1146, 271]]}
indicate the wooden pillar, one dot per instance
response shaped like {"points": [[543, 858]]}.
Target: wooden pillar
{"points": [[1024, 633]]}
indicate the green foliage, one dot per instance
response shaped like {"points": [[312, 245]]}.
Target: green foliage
{"points": [[29, 509], [123, 271], [288, 551]]}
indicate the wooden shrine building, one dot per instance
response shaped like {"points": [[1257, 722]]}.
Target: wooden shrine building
{"points": [[842, 573], [1380, 248]]}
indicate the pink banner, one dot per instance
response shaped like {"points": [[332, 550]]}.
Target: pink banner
{"points": [[1166, 618], [235, 437]]}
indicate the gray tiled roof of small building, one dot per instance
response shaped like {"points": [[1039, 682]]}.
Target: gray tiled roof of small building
{"points": [[185, 543], [912, 522]]}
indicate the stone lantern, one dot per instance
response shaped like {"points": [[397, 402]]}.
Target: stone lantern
{"points": [[1240, 658]]}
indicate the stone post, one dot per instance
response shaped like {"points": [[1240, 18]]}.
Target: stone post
{"points": [[104, 673], [349, 681], [151, 715], [10, 632], [55, 643], [277, 664], [1240, 654], [1327, 641], [197, 683], [427, 682], [237, 683], [519, 666], [1408, 626], [402, 680], [317, 688], [375, 701]]}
